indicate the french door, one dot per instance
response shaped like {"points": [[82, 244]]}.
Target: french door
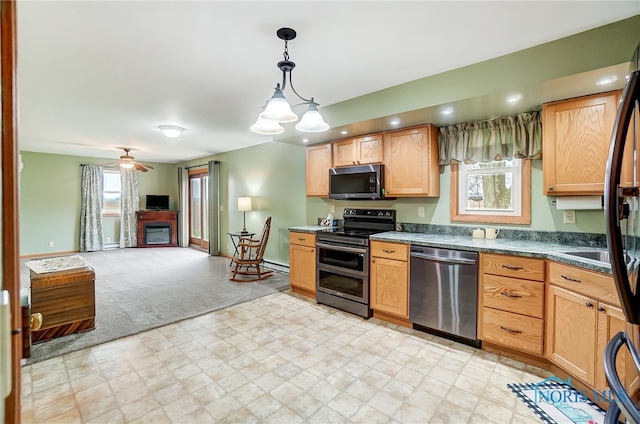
{"points": [[199, 208]]}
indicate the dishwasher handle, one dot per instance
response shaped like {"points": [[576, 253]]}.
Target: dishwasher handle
{"points": [[443, 259]]}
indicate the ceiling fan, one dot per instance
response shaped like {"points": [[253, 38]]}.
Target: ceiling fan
{"points": [[127, 161]]}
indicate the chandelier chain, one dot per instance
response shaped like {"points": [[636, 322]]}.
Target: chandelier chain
{"points": [[286, 50]]}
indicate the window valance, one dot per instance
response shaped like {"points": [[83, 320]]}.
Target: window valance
{"points": [[517, 136]]}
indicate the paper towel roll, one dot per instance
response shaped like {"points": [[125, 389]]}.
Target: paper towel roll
{"points": [[579, 202]]}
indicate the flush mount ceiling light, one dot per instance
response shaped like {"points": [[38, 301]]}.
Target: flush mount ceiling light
{"points": [[607, 80], [277, 110], [171, 131]]}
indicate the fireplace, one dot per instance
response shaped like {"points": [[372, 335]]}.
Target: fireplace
{"points": [[159, 233], [157, 228]]}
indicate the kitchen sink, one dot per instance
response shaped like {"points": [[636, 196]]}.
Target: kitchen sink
{"points": [[596, 255]]}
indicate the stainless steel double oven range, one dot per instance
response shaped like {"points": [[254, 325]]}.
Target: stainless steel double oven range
{"points": [[342, 259]]}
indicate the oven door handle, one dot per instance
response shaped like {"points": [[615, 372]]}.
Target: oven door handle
{"points": [[443, 259], [341, 248]]}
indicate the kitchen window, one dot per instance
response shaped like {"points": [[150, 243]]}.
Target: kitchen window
{"points": [[496, 192], [111, 193]]}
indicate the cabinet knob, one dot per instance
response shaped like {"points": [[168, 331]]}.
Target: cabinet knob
{"points": [[601, 309], [550, 188], [373, 260], [589, 305]]}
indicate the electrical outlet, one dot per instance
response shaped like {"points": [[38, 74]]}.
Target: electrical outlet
{"points": [[50, 244], [420, 211], [228, 246], [332, 209], [569, 216], [108, 239]]}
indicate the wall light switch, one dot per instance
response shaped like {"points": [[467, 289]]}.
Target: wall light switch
{"points": [[332, 209], [420, 211], [50, 244], [569, 216]]}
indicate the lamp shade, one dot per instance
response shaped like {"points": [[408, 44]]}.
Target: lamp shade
{"points": [[312, 121], [266, 126], [278, 109], [244, 204], [171, 131]]}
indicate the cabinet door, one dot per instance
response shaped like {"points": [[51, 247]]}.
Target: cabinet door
{"points": [[369, 149], [576, 138], [317, 170], [571, 333], [344, 153], [389, 286], [611, 321], [411, 162], [302, 267]]}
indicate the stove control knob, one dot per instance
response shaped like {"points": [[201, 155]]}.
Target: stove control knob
{"points": [[389, 213], [381, 213]]}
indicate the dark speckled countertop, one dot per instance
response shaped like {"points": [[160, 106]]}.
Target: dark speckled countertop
{"points": [[535, 249]]}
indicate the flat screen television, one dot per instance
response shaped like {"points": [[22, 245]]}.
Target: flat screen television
{"points": [[157, 202]]}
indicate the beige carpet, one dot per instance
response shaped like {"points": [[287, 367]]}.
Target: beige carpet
{"points": [[141, 289]]}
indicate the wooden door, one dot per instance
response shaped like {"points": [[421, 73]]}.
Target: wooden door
{"points": [[199, 208], [317, 170], [611, 320], [576, 138], [302, 267], [369, 149], [571, 332], [389, 286], [411, 162]]}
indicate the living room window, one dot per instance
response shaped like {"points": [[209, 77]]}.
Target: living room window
{"points": [[111, 193], [498, 191]]}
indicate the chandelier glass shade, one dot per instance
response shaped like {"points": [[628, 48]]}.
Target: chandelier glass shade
{"points": [[278, 111]]}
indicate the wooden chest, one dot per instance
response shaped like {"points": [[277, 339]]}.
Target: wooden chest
{"points": [[66, 300]]}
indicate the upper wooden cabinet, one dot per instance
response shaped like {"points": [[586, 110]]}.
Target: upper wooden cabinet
{"points": [[411, 162], [576, 138], [317, 170], [358, 151]]}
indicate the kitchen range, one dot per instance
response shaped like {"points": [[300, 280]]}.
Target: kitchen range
{"points": [[342, 276]]}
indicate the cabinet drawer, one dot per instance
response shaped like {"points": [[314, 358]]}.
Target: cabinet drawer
{"points": [[588, 283], [512, 330], [513, 266], [304, 239], [513, 295], [397, 251]]}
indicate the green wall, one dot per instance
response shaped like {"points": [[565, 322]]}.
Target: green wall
{"points": [[50, 200], [273, 174], [544, 215]]}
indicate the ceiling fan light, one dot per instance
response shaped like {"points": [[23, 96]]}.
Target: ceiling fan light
{"points": [[171, 131], [266, 126], [312, 121], [278, 109], [126, 165]]}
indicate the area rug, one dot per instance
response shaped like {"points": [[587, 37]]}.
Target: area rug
{"points": [[141, 289], [556, 402]]}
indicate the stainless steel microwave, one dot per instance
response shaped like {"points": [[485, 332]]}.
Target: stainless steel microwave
{"points": [[364, 182]]}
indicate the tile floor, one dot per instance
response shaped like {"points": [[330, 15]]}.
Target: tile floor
{"points": [[277, 359]]}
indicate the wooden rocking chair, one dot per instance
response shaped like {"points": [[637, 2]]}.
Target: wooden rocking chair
{"points": [[250, 257]]}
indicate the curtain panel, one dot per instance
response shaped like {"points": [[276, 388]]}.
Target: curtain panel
{"points": [[518, 136], [183, 207], [91, 209], [214, 207], [129, 204]]}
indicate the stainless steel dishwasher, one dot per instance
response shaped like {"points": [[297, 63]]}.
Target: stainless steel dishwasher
{"points": [[444, 293]]}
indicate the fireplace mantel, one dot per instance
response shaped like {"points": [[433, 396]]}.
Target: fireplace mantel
{"points": [[157, 218]]}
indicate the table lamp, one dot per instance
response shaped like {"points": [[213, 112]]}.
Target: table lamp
{"points": [[244, 205]]}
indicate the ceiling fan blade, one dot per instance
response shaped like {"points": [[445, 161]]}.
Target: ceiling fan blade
{"points": [[140, 167], [146, 165]]}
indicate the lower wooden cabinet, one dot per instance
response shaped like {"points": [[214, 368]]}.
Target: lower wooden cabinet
{"points": [[578, 330], [302, 263], [389, 278]]}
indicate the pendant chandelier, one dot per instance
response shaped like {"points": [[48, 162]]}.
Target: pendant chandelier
{"points": [[277, 110]]}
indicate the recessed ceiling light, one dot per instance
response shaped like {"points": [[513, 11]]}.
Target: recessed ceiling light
{"points": [[446, 111], [344, 132], [514, 98], [607, 80], [305, 140], [394, 122]]}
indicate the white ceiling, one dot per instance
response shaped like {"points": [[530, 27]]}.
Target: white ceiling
{"points": [[95, 76]]}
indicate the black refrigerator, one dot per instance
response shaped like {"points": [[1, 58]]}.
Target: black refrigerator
{"points": [[622, 213]]}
